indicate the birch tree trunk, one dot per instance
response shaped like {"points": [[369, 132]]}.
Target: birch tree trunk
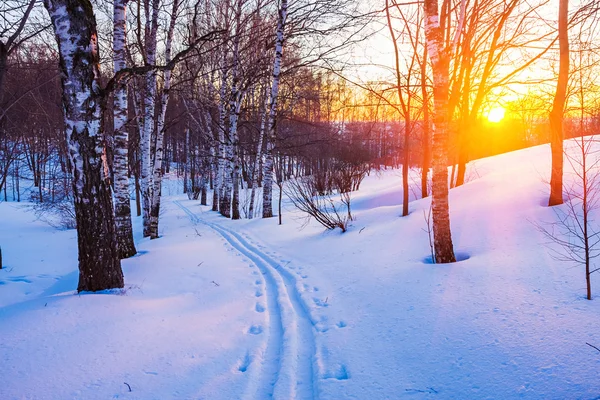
{"points": [[186, 165], [235, 103], [558, 107], [215, 151], [121, 180], [75, 29], [271, 122], [160, 130], [257, 161], [425, 143], [442, 236], [224, 156], [147, 133]]}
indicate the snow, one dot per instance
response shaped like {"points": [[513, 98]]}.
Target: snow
{"points": [[222, 309]]}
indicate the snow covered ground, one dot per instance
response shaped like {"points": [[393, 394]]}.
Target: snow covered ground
{"points": [[219, 309]]}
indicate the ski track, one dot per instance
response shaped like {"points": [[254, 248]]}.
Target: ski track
{"points": [[288, 368]]}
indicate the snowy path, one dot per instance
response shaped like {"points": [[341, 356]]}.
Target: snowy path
{"points": [[288, 365]]}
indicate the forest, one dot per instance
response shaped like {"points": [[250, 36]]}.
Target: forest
{"points": [[254, 119]]}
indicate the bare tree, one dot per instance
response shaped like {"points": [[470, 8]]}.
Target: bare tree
{"points": [[442, 235], [121, 136], [574, 231], [405, 86], [271, 120], [557, 113], [158, 140], [75, 29], [14, 16]]}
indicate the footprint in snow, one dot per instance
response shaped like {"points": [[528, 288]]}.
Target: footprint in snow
{"points": [[21, 279], [245, 363], [320, 303], [340, 372], [259, 308], [255, 330]]}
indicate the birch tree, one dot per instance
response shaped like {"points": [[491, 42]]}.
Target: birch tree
{"points": [[157, 156], [121, 137], [259, 148], [147, 131], [442, 235], [75, 29], [235, 103], [271, 120]]}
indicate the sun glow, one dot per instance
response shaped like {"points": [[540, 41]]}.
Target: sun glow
{"points": [[496, 114]]}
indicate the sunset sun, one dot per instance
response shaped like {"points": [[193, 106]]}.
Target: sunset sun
{"points": [[496, 114]]}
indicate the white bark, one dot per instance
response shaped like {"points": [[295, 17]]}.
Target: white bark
{"points": [[257, 160], [147, 133], [120, 169], [224, 201], [442, 236], [160, 125], [235, 103], [75, 29], [268, 165]]}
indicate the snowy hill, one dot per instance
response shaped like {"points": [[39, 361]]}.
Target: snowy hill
{"points": [[220, 309]]}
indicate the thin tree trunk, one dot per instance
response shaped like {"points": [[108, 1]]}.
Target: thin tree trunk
{"points": [[186, 166], [405, 164], [257, 160], [442, 235], [160, 130], [235, 103], [215, 152], [121, 150], [558, 107], [223, 145], [75, 28], [138, 190], [425, 143], [148, 132], [271, 123]]}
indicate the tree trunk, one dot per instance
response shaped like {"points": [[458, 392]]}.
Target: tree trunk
{"points": [[271, 122], [463, 153], [186, 163], [121, 181], [75, 29], [257, 161], [425, 143], [405, 166], [148, 131], [223, 144], [160, 131], [235, 103], [558, 107], [442, 236]]}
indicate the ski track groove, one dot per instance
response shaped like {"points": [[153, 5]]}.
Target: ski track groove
{"points": [[289, 361]]}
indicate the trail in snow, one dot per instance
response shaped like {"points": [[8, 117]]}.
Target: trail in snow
{"points": [[288, 368]]}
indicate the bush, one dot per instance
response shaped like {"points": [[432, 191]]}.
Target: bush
{"points": [[304, 194], [58, 214]]}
